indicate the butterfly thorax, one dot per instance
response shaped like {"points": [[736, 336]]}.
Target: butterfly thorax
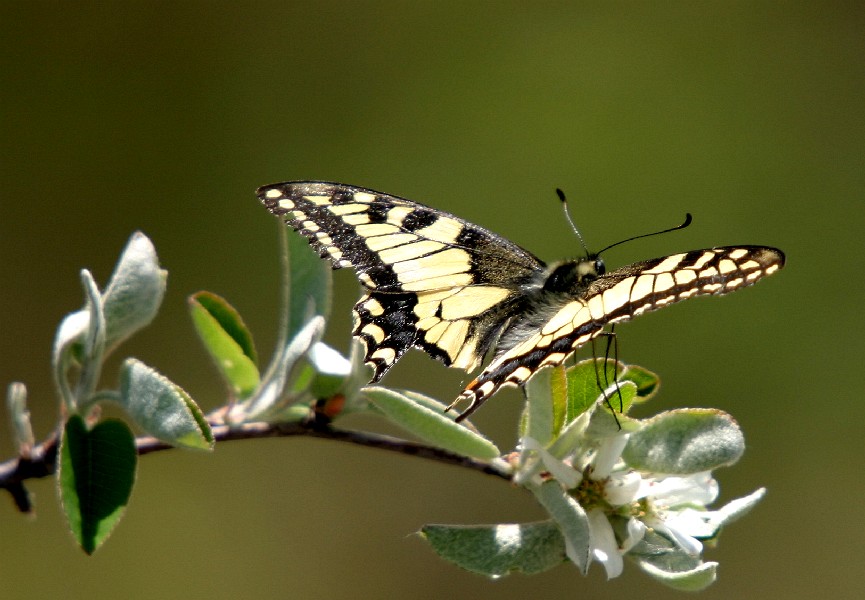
{"points": [[555, 286]]}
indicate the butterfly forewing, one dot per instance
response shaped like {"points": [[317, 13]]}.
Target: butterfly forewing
{"points": [[615, 297], [456, 290]]}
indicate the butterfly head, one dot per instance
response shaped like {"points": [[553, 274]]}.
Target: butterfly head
{"points": [[574, 275], [591, 267]]}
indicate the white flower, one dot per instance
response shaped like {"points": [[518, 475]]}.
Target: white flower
{"points": [[620, 489], [672, 501], [607, 492], [669, 505]]}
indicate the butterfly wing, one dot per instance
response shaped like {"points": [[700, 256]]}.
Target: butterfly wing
{"points": [[552, 334], [431, 279]]}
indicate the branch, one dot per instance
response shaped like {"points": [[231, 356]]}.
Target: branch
{"points": [[42, 461]]}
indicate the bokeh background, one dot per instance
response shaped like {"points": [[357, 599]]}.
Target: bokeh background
{"points": [[165, 116]]}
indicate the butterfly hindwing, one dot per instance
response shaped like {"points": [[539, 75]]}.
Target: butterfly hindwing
{"points": [[432, 280], [457, 291]]}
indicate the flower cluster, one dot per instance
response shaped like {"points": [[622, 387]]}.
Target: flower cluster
{"points": [[612, 485], [660, 520]]}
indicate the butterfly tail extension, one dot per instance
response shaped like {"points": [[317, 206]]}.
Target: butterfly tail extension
{"points": [[475, 393]]}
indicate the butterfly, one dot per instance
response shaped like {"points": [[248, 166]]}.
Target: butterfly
{"points": [[459, 292]]}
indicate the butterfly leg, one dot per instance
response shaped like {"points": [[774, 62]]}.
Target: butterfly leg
{"points": [[612, 341]]}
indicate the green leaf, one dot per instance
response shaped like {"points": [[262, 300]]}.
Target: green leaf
{"points": [[606, 421], [692, 580], [305, 304], [706, 525], [736, 509], [92, 348], [227, 340], [161, 407], [431, 425], [685, 441], [134, 292], [497, 550], [539, 421], [308, 277], [87, 336], [646, 381], [67, 352], [433, 405], [571, 519], [96, 475], [583, 389], [16, 402], [361, 374], [559, 390], [228, 319], [571, 437], [668, 563]]}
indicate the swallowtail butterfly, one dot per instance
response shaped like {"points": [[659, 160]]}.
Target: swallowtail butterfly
{"points": [[458, 292]]}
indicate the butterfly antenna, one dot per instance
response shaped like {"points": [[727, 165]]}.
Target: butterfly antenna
{"points": [[636, 237], [564, 200]]}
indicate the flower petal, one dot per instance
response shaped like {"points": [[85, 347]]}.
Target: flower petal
{"points": [[699, 488], [694, 523], [687, 543], [561, 471], [636, 532], [603, 544], [608, 454], [622, 487]]}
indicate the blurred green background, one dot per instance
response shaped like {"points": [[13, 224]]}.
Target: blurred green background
{"points": [[165, 117]]}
